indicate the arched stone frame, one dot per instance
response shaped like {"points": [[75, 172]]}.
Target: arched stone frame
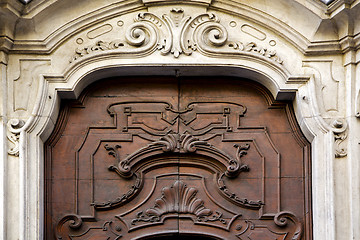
{"points": [[69, 83]]}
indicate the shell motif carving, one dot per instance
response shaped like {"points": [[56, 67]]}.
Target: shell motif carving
{"points": [[178, 199]]}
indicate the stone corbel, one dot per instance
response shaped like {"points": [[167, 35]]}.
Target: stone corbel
{"points": [[14, 127], [340, 130]]}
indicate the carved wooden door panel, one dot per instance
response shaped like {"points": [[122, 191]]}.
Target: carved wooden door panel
{"points": [[147, 158]]}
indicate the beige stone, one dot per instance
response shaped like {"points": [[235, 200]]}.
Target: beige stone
{"points": [[51, 50]]}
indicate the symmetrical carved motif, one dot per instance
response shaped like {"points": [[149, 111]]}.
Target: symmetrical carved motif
{"points": [[179, 34], [183, 143], [340, 134], [156, 146], [14, 125], [179, 199]]}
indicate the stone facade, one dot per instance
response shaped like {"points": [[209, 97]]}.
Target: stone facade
{"points": [[301, 50]]}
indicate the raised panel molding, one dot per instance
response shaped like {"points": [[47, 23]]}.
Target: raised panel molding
{"points": [[176, 164]]}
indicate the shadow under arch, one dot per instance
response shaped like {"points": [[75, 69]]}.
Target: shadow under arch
{"points": [[177, 236]]}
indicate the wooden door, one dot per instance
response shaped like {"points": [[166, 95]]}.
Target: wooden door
{"points": [[157, 158]]}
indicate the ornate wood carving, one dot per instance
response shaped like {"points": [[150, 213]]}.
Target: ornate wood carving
{"points": [[178, 199], [127, 164]]}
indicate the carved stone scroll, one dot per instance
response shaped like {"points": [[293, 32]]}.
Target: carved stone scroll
{"points": [[14, 125], [178, 34], [340, 135]]}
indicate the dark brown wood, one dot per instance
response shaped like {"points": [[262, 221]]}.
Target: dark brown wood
{"points": [[143, 158]]}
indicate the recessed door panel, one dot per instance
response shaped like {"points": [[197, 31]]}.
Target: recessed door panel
{"points": [[142, 158]]}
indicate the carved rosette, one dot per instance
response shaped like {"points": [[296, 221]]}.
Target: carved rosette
{"points": [[178, 199]]}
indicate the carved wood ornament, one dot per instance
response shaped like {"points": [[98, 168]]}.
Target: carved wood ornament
{"points": [[139, 160]]}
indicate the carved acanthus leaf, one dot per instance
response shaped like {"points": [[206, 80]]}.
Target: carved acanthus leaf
{"points": [[99, 46], [178, 199], [252, 47]]}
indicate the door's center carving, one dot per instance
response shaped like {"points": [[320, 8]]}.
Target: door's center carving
{"points": [[179, 199]]}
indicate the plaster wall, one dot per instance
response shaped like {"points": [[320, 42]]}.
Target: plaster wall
{"points": [[304, 51]]}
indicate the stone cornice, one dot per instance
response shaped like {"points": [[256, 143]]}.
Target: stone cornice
{"points": [[306, 46]]}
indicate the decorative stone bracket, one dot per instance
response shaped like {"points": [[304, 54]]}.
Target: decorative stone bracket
{"points": [[14, 127], [340, 130]]}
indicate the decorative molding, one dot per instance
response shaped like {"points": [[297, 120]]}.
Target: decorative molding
{"points": [[325, 84], [252, 47], [179, 199], [14, 126], [102, 231], [28, 77], [298, 79], [253, 230], [133, 190], [340, 129], [243, 202], [282, 219], [99, 46], [178, 34], [75, 222]]}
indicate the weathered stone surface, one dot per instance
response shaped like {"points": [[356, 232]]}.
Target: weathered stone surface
{"points": [[301, 50]]}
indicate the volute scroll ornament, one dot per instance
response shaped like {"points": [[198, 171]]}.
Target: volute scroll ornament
{"points": [[14, 127], [181, 143], [282, 219], [176, 34], [340, 130]]}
